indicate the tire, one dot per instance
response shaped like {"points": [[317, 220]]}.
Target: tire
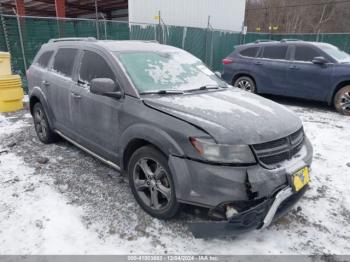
{"points": [[245, 83], [41, 124], [342, 101], [152, 184]]}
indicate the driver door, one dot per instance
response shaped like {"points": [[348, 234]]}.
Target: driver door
{"points": [[96, 116], [306, 79]]}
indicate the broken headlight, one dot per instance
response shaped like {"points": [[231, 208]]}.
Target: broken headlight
{"points": [[226, 154]]}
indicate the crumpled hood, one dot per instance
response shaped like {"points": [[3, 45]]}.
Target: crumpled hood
{"points": [[231, 116]]}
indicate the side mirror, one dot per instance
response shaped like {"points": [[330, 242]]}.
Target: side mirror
{"points": [[218, 74], [105, 87], [320, 60]]}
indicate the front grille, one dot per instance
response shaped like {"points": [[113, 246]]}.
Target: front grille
{"points": [[274, 152]]}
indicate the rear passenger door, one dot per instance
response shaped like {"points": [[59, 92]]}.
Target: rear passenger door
{"points": [[270, 69], [38, 72], [306, 79], [58, 84], [96, 117]]}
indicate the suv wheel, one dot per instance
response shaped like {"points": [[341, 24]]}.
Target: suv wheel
{"points": [[41, 124], [342, 101], [152, 184], [245, 83]]}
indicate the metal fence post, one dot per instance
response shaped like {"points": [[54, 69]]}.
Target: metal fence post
{"points": [[21, 41], [97, 25], [206, 40], [211, 47], [155, 32], [105, 25]]}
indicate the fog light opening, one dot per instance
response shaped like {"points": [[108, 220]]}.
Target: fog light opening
{"points": [[231, 212]]}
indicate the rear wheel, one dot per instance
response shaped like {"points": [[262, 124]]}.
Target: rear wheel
{"points": [[152, 184], [245, 83], [342, 101], [41, 124]]}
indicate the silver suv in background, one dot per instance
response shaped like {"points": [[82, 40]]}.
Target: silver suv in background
{"points": [[180, 133]]}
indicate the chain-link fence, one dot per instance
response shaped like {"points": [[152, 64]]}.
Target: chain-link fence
{"points": [[208, 44]]}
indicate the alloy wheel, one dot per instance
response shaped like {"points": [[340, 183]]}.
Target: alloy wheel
{"points": [[152, 184], [245, 85], [40, 123], [345, 102]]}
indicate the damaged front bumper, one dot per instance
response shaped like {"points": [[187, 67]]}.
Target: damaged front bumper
{"points": [[257, 195], [257, 217]]}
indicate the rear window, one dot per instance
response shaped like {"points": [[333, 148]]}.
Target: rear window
{"points": [[64, 61], [275, 52], [250, 52], [44, 59], [305, 53]]}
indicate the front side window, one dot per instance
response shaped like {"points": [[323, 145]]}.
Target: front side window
{"points": [[94, 66], [275, 52], [250, 52], [64, 61], [305, 53], [44, 59], [172, 70]]}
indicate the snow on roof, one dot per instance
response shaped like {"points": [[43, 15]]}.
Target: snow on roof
{"points": [[130, 45]]}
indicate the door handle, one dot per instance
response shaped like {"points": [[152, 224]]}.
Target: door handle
{"points": [[75, 96], [258, 63], [45, 83], [294, 68]]}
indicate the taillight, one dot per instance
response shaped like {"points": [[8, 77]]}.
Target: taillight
{"points": [[227, 61]]}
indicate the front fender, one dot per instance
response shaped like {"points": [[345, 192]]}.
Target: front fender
{"points": [[152, 135], [37, 93]]}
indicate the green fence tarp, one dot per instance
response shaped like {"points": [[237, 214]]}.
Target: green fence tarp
{"points": [[211, 46]]}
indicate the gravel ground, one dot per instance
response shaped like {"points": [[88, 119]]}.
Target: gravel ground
{"points": [[57, 199]]}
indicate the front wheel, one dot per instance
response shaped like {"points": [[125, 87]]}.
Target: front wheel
{"points": [[152, 184], [41, 124], [245, 83], [342, 101]]}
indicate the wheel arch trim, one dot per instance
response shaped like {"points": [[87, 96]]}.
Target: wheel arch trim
{"points": [[241, 74], [339, 85], [38, 94], [153, 136]]}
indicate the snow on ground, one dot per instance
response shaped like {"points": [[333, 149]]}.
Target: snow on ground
{"points": [[74, 204]]}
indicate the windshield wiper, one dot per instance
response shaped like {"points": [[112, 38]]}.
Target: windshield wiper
{"points": [[207, 87], [162, 92]]}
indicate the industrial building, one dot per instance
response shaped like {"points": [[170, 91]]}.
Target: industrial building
{"points": [[223, 14]]}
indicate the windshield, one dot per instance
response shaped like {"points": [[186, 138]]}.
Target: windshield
{"points": [[336, 53], [169, 71]]}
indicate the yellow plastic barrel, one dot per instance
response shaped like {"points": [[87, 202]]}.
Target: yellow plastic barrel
{"points": [[11, 91], [5, 65]]}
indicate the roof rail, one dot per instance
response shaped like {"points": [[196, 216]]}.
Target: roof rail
{"points": [[263, 41], [290, 40], [91, 39]]}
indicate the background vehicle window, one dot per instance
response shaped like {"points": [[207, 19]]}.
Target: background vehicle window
{"points": [[44, 59], [275, 52], [250, 52], [64, 61], [94, 66], [305, 53]]}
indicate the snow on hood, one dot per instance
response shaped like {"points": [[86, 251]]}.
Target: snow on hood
{"points": [[231, 116]]}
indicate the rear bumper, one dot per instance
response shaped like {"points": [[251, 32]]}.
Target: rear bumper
{"points": [[258, 217]]}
